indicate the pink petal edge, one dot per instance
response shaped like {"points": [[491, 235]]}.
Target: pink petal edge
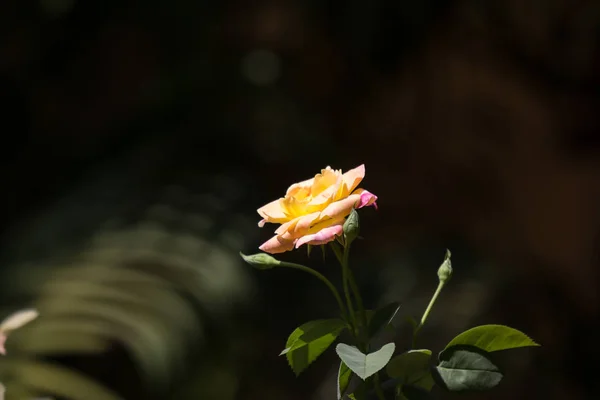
{"points": [[276, 245], [325, 235], [367, 199]]}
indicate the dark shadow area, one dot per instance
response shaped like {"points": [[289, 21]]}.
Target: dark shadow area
{"points": [[140, 137]]}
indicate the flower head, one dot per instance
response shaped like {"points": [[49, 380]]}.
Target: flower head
{"points": [[313, 211]]}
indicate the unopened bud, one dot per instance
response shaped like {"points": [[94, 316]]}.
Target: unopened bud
{"points": [[445, 270], [351, 227], [261, 260]]}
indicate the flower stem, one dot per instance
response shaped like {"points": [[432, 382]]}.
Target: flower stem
{"points": [[355, 292], [323, 279], [345, 271], [360, 334], [348, 298], [427, 311]]}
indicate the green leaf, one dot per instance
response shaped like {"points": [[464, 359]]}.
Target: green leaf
{"points": [[351, 396], [412, 368], [309, 341], [382, 317], [492, 338], [344, 375], [365, 365], [465, 368]]}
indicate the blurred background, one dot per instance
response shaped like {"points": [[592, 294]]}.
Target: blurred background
{"points": [[140, 137]]}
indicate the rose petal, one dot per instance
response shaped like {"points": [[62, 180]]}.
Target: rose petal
{"points": [[328, 195], [298, 227], [340, 208], [352, 179], [2, 341], [277, 244], [304, 184], [325, 235], [272, 212], [366, 198], [283, 228]]}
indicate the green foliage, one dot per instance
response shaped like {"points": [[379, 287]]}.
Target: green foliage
{"points": [[466, 368], [343, 379], [365, 365], [464, 365], [309, 341], [492, 338], [412, 368]]}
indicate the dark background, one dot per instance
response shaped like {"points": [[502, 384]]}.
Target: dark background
{"points": [[477, 122]]}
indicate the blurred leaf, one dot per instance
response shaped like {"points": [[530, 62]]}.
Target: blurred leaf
{"points": [[17, 391], [365, 365], [70, 338], [59, 381]]}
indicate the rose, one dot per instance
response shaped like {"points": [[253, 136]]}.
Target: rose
{"points": [[313, 211]]}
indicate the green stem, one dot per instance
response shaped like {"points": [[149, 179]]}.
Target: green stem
{"points": [[359, 302], [349, 299], [361, 334], [427, 311], [345, 271], [323, 279], [355, 292]]}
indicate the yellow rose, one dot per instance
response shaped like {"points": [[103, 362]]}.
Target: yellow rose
{"points": [[313, 211]]}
